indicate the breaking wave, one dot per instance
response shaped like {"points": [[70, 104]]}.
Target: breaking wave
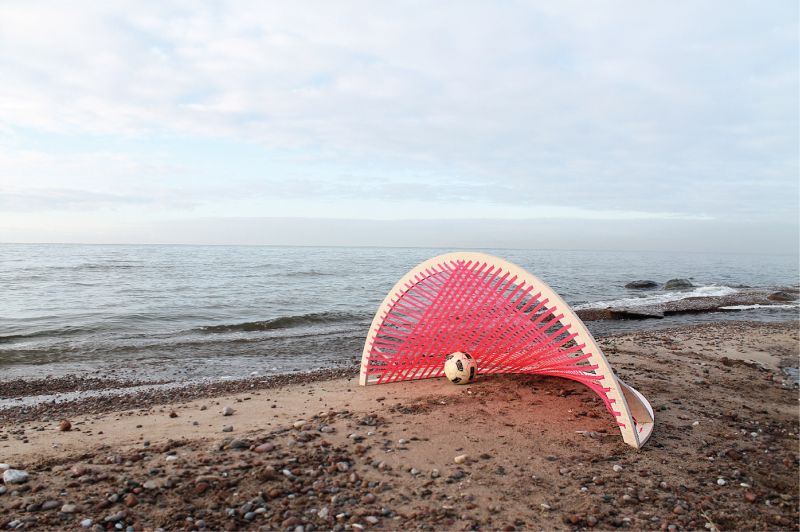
{"points": [[661, 297], [285, 322]]}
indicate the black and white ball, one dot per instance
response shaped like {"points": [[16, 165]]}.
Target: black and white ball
{"points": [[460, 367]]}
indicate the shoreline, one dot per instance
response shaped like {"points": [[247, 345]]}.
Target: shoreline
{"points": [[324, 453]]}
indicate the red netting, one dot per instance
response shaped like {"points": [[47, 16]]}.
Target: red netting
{"points": [[477, 308]]}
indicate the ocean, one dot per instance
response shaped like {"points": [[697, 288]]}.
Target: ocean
{"points": [[193, 313]]}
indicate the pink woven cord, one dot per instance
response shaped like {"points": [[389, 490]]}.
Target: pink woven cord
{"points": [[480, 309]]}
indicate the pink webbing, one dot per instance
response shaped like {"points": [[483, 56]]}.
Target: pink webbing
{"points": [[479, 309]]}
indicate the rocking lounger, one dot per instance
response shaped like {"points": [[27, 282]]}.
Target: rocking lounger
{"points": [[506, 318]]}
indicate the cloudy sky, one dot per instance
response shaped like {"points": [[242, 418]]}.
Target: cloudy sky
{"points": [[535, 124]]}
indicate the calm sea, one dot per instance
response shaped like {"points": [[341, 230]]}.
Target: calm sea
{"points": [[194, 312]]}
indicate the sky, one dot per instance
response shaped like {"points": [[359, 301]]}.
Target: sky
{"points": [[629, 125]]}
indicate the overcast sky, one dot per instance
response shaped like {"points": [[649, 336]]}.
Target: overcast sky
{"points": [[624, 124]]}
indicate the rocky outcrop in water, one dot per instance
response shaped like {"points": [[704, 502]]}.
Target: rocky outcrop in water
{"points": [[642, 285], [678, 284], [689, 305]]}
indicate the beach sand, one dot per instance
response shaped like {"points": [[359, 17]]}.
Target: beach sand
{"points": [[541, 453]]}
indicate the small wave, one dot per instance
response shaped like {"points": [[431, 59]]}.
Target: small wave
{"points": [[753, 307], [284, 322], [662, 297], [63, 331]]}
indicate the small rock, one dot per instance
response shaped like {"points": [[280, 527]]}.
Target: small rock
{"points": [[150, 485], [435, 473], [696, 423], [65, 425], [69, 508], [86, 523], [227, 428], [546, 506], [371, 519], [721, 481], [228, 411], [342, 466], [678, 284], [733, 454], [173, 414], [4, 466], [131, 500], [238, 444], [369, 498], [749, 496], [15, 476], [298, 424], [641, 285], [617, 468], [678, 510], [323, 513], [50, 505], [264, 448], [460, 459]]}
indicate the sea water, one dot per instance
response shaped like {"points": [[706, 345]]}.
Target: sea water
{"points": [[195, 312]]}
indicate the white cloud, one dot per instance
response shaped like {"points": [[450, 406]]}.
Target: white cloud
{"points": [[678, 110]]}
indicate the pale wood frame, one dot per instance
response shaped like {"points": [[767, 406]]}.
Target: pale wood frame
{"points": [[627, 401]]}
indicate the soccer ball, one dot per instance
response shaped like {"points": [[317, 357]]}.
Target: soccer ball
{"points": [[460, 367]]}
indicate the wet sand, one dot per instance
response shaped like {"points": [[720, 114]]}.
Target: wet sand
{"points": [[320, 452]]}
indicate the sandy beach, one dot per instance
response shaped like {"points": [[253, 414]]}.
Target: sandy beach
{"points": [[318, 452]]}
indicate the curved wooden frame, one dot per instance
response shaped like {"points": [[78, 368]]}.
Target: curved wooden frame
{"points": [[633, 412]]}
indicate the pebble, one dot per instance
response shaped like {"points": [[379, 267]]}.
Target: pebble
{"points": [[617, 468], [721, 481], [15, 476], [227, 428], [371, 519], [298, 424], [69, 508], [65, 425], [150, 485], [546, 506], [86, 523], [172, 458], [264, 448], [696, 423], [51, 504], [228, 411], [342, 466], [3, 467], [323, 513], [402, 441], [678, 510], [435, 473], [131, 500], [3, 489], [460, 459]]}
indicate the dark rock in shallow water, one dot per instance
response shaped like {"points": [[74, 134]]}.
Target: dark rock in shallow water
{"points": [[687, 305], [678, 284], [782, 296], [594, 314], [642, 285]]}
